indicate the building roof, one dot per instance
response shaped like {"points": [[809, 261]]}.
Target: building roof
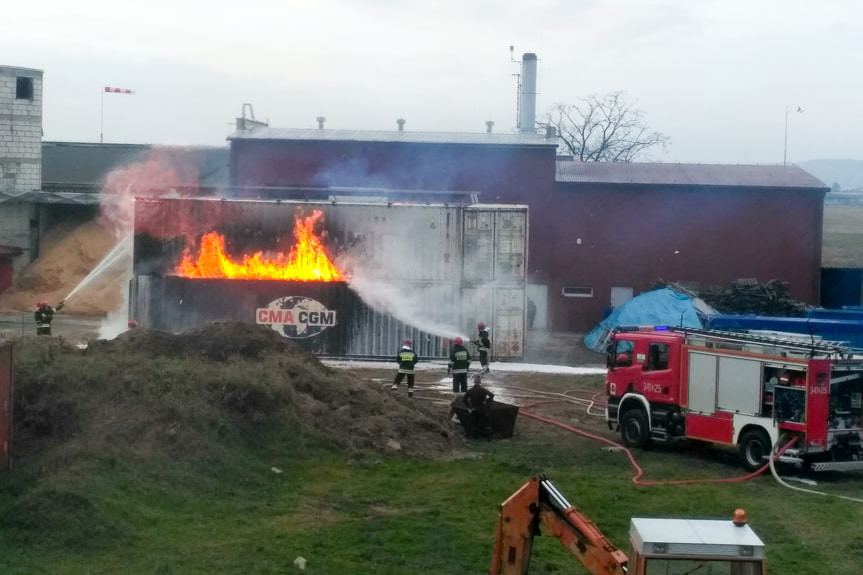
{"points": [[736, 175], [327, 135], [81, 167], [83, 163]]}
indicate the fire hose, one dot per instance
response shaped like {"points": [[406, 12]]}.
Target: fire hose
{"points": [[547, 397], [639, 472]]}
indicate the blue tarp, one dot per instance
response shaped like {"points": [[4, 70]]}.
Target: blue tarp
{"points": [[658, 307]]}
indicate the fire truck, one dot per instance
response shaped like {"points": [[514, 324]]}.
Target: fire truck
{"points": [[744, 390]]}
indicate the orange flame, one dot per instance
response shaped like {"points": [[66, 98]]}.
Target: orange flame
{"points": [[307, 260]]}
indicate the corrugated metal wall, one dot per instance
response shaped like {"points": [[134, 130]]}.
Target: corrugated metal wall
{"points": [[471, 258]]}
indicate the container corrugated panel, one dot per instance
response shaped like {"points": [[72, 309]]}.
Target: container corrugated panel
{"points": [[325, 318], [452, 261], [400, 242]]}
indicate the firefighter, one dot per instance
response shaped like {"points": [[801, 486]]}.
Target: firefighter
{"points": [[483, 346], [406, 359], [44, 315], [478, 401], [459, 362]]}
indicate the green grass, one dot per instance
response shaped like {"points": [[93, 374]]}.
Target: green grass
{"points": [[378, 515], [218, 507]]}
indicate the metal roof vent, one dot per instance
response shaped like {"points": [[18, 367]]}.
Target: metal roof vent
{"points": [[321, 120], [488, 126], [401, 124]]}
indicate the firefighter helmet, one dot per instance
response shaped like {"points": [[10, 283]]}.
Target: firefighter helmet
{"points": [[480, 326], [42, 304], [458, 341]]}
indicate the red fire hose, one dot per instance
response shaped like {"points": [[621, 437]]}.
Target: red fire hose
{"points": [[636, 479]]}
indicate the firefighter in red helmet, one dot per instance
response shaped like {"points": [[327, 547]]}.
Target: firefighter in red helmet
{"points": [[459, 362], [406, 359], [483, 346], [44, 315]]}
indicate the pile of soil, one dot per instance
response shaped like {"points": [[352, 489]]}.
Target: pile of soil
{"points": [[153, 392], [68, 253]]}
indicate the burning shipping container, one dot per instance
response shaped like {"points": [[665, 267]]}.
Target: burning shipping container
{"points": [[340, 279]]}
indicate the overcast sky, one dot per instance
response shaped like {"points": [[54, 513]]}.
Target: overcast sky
{"points": [[716, 76]]}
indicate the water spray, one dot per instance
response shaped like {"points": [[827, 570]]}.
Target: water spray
{"points": [[119, 255]]}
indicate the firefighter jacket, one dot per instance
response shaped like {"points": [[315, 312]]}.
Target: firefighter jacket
{"points": [[459, 359], [477, 396], [406, 359], [44, 316], [483, 343]]}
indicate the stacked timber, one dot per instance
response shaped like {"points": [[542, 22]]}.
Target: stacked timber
{"points": [[750, 296]]}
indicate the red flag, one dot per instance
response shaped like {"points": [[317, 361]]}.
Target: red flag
{"points": [[118, 90]]}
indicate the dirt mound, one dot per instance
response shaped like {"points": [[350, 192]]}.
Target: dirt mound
{"points": [[217, 341], [153, 393], [68, 253]]}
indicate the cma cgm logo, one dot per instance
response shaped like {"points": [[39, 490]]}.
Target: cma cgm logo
{"points": [[296, 316]]}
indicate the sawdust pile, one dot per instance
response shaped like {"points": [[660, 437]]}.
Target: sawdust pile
{"points": [[153, 392], [69, 251]]}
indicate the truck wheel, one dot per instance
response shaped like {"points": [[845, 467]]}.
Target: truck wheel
{"points": [[755, 447], [634, 428]]}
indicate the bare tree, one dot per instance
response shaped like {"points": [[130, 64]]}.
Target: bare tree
{"points": [[603, 129]]}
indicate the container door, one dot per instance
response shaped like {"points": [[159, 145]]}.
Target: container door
{"points": [[510, 239], [508, 328], [478, 250]]}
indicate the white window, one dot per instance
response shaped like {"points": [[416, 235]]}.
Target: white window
{"points": [[577, 291]]}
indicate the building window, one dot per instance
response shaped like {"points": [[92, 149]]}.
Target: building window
{"points": [[577, 291], [24, 88]]}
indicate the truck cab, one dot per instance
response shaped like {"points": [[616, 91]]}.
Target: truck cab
{"points": [[706, 547]]}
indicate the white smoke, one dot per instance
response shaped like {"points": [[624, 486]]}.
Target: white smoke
{"points": [[411, 267]]}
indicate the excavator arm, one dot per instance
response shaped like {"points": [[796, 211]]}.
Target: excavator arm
{"points": [[539, 505]]}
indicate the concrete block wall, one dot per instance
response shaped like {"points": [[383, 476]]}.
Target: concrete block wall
{"points": [[20, 161], [20, 132]]}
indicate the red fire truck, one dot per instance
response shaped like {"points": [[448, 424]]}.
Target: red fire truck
{"points": [[738, 389]]}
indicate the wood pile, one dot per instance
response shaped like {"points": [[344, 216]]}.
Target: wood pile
{"points": [[750, 296]]}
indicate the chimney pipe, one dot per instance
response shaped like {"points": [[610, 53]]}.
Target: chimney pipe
{"points": [[488, 126], [401, 124], [321, 120], [527, 114], [550, 132]]}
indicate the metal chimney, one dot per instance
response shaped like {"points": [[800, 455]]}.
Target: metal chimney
{"points": [[488, 126], [321, 120], [401, 124], [527, 110]]}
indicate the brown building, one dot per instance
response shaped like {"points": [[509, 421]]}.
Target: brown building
{"points": [[599, 233]]}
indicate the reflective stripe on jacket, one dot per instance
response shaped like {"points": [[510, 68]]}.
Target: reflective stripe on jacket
{"points": [[407, 359]]}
